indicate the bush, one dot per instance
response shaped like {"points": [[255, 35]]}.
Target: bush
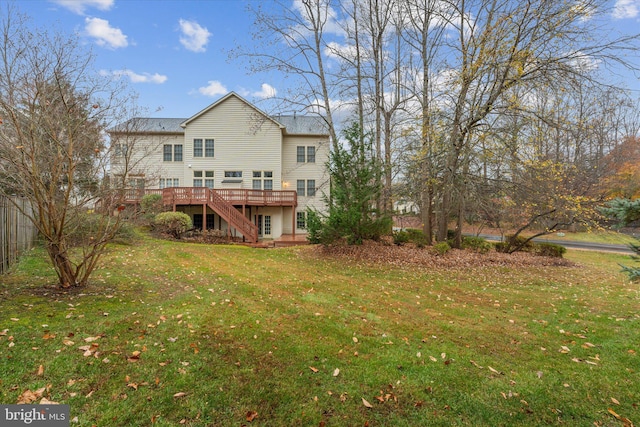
{"points": [[515, 243], [314, 226], [151, 204], [400, 237], [418, 237], [442, 248], [502, 247], [173, 223], [477, 244], [549, 249]]}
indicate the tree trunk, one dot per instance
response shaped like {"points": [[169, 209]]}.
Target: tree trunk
{"points": [[64, 269]]}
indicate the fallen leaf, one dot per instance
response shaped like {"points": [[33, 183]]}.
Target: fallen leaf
{"points": [[336, 372], [180, 394], [251, 415], [40, 370], [314, 370], [367, 404], [27, 397], [45, 401], [539, 374], [473, 362], [91, 339], [355, 339], [135, 356], [495, 371], [615, 401], [433, 359]]}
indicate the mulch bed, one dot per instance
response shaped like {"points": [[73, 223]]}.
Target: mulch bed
{"points": [[408, 255]]}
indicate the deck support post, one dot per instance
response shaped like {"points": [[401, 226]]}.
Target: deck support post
{"points": [[204, 217], [293, 222]]}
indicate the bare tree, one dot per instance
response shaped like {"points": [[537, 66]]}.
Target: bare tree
{"points": [[501, 45], [53, 149], [292, 41]]}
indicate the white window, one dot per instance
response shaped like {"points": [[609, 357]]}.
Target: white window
{"points": [[197, 178], [197, 147], [208, 179], [169, 182], [306, 154], [172, 152], [208, 148], [262, 180], [301, 220], [306, 188]]}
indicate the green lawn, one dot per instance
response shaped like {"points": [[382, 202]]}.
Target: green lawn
{"points": [[190, 334]]}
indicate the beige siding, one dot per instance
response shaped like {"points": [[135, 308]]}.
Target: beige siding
{"points": [[294, 171], [146, 158], [244, 140]]}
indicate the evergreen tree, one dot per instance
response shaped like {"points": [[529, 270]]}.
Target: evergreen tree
{"points": [[355, 187]]}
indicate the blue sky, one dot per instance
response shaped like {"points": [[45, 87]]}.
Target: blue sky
{"points": [[174, 53]]}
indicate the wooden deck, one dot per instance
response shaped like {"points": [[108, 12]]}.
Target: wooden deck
{"points": [[201, 195]]}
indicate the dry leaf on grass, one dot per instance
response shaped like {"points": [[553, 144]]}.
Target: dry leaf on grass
{"points": [[367, 404]]}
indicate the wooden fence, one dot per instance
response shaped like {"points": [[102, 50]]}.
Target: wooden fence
{"points": [[17, 232]]}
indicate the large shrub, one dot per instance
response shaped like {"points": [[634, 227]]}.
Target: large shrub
{"points": [[173, 223], [400, 237], [442, 248], [476, 244], [549, 249]]}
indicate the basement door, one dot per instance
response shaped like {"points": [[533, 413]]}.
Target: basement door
{"points": [[264, 225]]}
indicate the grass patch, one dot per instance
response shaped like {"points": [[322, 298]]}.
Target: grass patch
{"points": [[253, 334]]}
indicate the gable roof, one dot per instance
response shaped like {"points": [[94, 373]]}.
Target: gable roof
{"points": [[289, 124], [223, 99], [142, 125], [303, 125]]}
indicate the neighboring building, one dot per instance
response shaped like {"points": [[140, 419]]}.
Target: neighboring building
{"points": [[229, 157]]}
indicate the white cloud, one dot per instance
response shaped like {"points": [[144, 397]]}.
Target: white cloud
{"points": [[266, 91], [137, 78], [105, 34], [626, 9], [79, 6], [215, 88], [194, 36]]}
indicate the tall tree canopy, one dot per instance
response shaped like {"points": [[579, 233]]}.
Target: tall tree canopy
{"points": [[458, 96]]}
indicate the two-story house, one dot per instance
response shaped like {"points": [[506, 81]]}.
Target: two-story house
{"points": [[230, 166]]}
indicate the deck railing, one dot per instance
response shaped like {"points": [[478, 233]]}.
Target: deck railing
{"points": [[199, 195]]}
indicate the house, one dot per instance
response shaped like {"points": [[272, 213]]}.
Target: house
{"points": [[230, 166]]}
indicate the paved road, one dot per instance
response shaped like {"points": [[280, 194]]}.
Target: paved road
{"points": [[600, 247]]}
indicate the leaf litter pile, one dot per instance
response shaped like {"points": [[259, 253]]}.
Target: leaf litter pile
{"points": [[407, 255]]}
